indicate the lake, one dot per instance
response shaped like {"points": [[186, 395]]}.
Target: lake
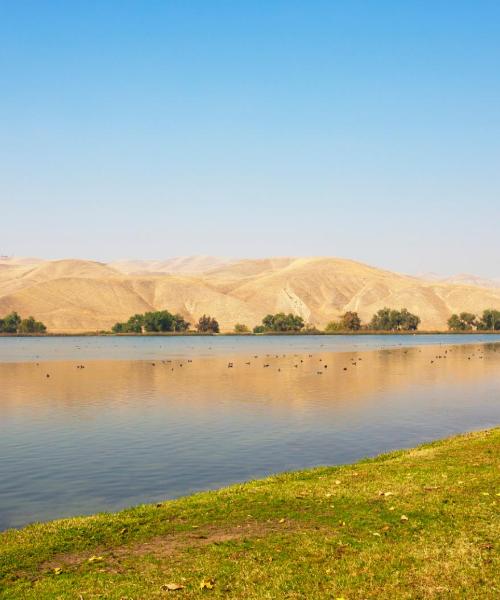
{"points": [[150, 418]]}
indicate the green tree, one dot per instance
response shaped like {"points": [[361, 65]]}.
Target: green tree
{"points": [[387, 319], [240, 328], [180, 324], [154, 321], [259, 329], [207, 324], [469, 319], [490, 320], [282, 322], [134, 324], [382, 320], [29, 325], [11, 323], [408, 321], [465, 321], [160, 321]]}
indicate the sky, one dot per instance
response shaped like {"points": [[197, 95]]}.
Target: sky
{"points": [[363, 129]]}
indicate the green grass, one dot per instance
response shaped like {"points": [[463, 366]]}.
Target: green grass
{"points": [[325, 533]]}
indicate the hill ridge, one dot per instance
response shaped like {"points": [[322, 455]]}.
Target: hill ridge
{"points": [[75, 295]]}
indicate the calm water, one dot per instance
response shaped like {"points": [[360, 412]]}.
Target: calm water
{"points": [[141, 427]]}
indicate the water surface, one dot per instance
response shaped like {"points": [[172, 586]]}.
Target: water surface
{"points": [[122, 432], [151, 346]]}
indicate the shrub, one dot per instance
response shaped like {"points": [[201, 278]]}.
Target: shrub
{"points": [[333, 326], [207, 324]]}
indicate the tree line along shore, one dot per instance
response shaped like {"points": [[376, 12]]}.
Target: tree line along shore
{"points": [[385, 320]]}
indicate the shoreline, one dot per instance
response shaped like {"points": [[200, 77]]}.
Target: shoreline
{"points": [[341, 530], [249, 334]]}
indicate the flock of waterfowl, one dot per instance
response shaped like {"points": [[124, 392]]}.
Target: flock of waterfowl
{"points": [[298, 361]]}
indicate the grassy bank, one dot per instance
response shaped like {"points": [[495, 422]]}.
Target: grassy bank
{"points": [[412, 524]]}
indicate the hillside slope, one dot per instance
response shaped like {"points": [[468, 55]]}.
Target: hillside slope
{"points": [[78, 295]]}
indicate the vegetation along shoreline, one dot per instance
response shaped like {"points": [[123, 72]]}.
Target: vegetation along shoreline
{"points": [[384, 321]]}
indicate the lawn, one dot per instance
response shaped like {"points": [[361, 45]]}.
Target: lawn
{"points": [[421, 523]]}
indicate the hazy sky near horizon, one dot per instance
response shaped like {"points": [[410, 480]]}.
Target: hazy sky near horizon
{"points": [[368, 130]]}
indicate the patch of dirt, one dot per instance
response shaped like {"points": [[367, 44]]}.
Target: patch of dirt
{"points": [[169, 544]]}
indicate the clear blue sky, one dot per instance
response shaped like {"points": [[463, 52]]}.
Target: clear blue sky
{"points": [[369, 130]]}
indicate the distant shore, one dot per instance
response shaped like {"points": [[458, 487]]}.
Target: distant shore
{"points": [[248, 334]]}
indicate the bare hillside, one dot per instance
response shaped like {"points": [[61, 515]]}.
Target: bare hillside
{"points": [[77, 295]]}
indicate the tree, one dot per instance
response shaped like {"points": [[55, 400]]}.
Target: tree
{"points": [[382, 320], [408, 321], [207, 324], [282, 322], [29, 325], [469, 319], [160, 320], [351, 321], [134, 324], [387, 319], [179, 323], [490, 320], [11, 323], [259, 329], [463, 322], [155, 321], [240, 328]]}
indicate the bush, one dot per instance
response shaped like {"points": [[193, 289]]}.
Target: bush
{"points": [[240, 328], [259, 329], [207, 324], [333, 326]]}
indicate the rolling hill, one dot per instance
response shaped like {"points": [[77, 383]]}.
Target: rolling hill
{"points": [[78, 295]]}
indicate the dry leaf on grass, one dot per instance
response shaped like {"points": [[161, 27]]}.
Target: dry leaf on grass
{"points": [[93, 559], [172, 587], [207, 584]]}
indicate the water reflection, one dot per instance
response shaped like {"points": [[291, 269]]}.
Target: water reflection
{"points": [[115, 433]]}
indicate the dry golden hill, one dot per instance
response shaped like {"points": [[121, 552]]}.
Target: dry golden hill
{"points": [[78, 295], [179, 264]]}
